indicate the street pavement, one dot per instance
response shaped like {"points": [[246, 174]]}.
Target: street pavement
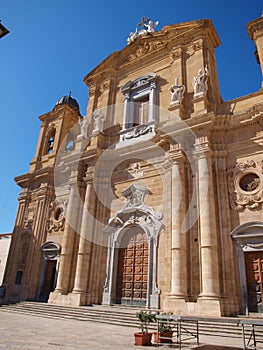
{"points": [[20, 331]]}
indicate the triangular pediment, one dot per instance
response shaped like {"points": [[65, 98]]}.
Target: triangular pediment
{"points": [[152, 43]]}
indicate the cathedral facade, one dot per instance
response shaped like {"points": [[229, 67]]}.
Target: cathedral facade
{"points": [[154, 198]]}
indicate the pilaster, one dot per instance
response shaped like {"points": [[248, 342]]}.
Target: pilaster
{"points": [[68, 239]]}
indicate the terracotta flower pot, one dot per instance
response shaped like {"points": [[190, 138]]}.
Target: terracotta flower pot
{"points": [[162, 337], [142, 338]]}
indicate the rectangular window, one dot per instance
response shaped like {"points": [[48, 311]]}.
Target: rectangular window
{"points": [[19, 276], [141, 112]]}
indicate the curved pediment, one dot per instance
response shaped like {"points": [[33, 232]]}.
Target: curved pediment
{"points": [[133, 84], [249, 229]]}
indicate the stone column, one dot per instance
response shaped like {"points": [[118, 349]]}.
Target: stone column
{"points": [[207, 224], [82, 269], [68, 239], [179, 270], [152, 102], [126, 112]]}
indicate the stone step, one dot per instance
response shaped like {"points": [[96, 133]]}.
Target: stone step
{"points": [[108, 315]]}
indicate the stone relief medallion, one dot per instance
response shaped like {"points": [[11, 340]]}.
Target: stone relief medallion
{"points": [[57, 220], [245, 185]]}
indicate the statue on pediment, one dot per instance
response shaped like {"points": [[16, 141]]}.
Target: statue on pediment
{"points": [[200, 82], [84, 126], [98, 118], [177, 92]]}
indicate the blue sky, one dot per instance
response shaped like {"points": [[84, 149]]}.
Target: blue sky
{"points": [[53, 44]]}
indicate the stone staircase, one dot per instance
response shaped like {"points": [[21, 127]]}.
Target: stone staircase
{"points": [[120, 316], [115, 315]]}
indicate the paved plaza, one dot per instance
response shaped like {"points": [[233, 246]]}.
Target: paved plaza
{"points": [[23, 332]]}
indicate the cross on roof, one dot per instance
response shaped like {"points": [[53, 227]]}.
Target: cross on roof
{"points": [[144, 20]]}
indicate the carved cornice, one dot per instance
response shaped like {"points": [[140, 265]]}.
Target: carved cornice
{"points": [[255, 28]]}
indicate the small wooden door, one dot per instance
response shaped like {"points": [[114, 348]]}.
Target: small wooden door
{"points": [[49, 280], [254, 273], [132, 277]]}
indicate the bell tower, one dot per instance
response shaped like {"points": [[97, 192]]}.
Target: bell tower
{"points": [[55, 126], [37, 206], [255, 32]]}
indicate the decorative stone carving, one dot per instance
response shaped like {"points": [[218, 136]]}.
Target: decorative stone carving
{"points": [[245, 185], [92, 91], [98, 118], [134, 196], [29, 218], [177, 53], [177, 92], [147, 48], [144, 27], [196, 46], [138, 131], [200, 82], [57, 222], [136, 171]]}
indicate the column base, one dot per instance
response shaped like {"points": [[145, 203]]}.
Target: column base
{"points": [[202, 307], [71, 299], [208, 296], [106, 299]]}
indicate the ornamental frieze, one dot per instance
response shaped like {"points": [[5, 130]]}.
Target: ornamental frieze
{"points": [[245, 185], [147, 48]]}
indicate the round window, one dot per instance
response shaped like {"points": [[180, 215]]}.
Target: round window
{"points": [[58, 212], [249, 182]]}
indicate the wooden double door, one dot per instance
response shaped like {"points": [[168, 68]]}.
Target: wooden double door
{"points": [[132, 274], [254, 274]]}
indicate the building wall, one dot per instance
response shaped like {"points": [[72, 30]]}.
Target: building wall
{"points": [[183, 178]]}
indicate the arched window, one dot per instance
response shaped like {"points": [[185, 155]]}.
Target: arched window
{"points": [[50, 142], [69, 143]]}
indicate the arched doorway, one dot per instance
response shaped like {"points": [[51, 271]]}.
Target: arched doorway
{"points": [[132, 252], [48, 278], [132, 275]]}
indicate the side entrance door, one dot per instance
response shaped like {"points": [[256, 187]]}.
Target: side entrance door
{"points": [[254, 274], [49, 280]]}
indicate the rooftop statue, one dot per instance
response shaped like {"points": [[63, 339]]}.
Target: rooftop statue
{"points": [[147, 26]]}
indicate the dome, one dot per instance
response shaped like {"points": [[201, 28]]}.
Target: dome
{"points": [[68, 100]]}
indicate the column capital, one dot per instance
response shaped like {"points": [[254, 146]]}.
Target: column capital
{"points": [[202, 150], [176, 153]]}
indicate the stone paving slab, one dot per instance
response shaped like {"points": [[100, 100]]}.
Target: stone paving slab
{"points": [[28, 332]]}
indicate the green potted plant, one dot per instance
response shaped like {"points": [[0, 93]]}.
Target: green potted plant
{"points": [[164, 333], [144, 337]]}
